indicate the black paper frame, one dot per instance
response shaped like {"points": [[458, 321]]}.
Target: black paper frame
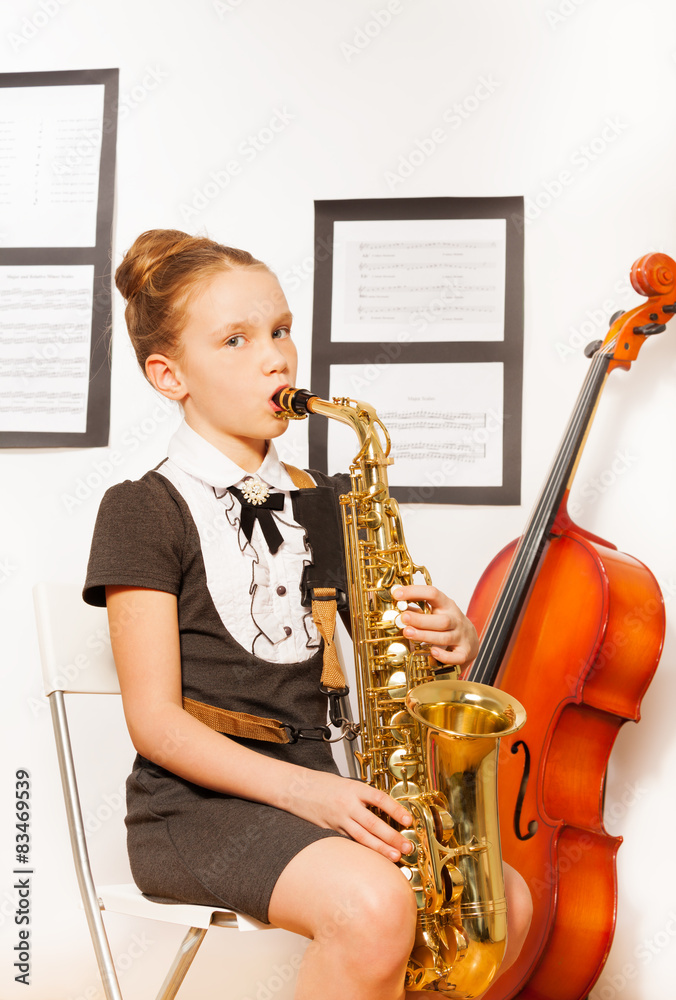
{"points": [[509, 351], [98, 403]]}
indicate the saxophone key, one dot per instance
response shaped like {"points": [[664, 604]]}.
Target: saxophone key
{"points": [[416, 883], [403, 789], [410, 859], [389, 620], [371, 520], [397, 685], [401, 726], [402, 765]]}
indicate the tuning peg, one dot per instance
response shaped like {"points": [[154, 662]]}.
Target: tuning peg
{"points": [[593, 346], [649, 329]]}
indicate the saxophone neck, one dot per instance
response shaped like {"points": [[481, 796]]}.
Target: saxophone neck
{"points": [[373, 438]]}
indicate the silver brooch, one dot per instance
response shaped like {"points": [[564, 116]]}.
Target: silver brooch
{"points": [[255, 492]]}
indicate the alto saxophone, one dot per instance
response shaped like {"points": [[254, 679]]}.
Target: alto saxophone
{"points": [[427, 738]]}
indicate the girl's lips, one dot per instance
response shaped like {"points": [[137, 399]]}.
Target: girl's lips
{"points": [[275, 406]]}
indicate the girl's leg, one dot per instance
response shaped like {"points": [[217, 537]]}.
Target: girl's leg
{"points": [[359, 911], [519, 913]]}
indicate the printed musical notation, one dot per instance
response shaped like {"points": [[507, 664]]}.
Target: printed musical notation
{"points": [[432, 418], [421, 450], [434, 442], [448, 246], [50, 151], [422, 287], [46, 320]]}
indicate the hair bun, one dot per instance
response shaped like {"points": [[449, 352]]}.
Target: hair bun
{"points": [[157, 276], [148, 252]]}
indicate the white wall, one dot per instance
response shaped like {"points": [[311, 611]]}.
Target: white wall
{"points": [[196, 80]]}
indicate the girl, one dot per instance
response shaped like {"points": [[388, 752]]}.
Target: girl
{"points": [[204, 604]]}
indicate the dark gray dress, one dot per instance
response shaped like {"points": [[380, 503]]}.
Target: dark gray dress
{"points": [[187, 843]]}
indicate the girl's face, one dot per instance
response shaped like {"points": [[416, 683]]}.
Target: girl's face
{"points": [[236, 352]]}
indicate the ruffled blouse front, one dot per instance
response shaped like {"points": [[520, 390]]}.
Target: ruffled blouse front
{"points": [[259, 597]]}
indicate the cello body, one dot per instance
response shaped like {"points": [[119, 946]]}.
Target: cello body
{"points": [[582, 657], [573, 629]]}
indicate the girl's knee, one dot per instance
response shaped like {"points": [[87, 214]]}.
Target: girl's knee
{"points": [[372, 910], [382, 903], [345, 897], [389, 902]]}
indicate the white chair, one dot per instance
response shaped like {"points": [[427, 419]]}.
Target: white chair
{"points": [[67, 627]]}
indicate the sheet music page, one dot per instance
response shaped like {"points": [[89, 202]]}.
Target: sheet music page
{"points": [[444, 420], [45, 335], [418, 280], [50, 151]]}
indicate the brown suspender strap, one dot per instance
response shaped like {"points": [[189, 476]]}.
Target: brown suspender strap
{"points": [[324, 614], [256, 727], [253, 727], [301, 479]]}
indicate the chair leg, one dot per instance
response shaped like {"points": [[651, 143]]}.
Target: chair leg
{"points": [[182, 963], [90, 901], [92, 907]]}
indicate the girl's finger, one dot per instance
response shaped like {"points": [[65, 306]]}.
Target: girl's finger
{"points": [[439, 622], [457, 654], [419, 592], [370, 830], [423, 635], [366, 839], [385, 802]]}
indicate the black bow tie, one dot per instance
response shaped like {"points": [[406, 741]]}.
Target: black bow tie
{"points": [[261, 511]]}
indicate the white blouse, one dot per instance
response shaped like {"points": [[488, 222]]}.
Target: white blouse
{"points": [[256, 593]]}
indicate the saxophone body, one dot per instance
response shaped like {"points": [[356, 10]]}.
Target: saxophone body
{"points": [[426, 738]]}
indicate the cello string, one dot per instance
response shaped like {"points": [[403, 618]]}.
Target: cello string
{"points": [[517, 578], [524, 557]]}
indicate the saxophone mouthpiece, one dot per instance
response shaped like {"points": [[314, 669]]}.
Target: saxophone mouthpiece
{"points": [[292, 403]]}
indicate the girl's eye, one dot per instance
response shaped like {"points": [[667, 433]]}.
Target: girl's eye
{"points": [[235, 341], [281, 333]]}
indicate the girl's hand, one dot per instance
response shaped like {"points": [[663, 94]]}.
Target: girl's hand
{"points": [[337, 803], [450, 634]]}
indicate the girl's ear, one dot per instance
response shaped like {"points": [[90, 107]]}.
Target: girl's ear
{"points": [[165, 376]]}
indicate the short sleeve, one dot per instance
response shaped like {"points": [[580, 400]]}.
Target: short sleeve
{"points": [[138, 540]]}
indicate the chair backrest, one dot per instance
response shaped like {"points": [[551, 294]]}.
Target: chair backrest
{"points": [[74, 641]]}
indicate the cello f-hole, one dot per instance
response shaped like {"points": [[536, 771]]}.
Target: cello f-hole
{"points": [[533, 825]]}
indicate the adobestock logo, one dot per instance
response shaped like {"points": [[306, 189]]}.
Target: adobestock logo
{"points": [[561, 13], [35, 22], [363, 36], [454, 116], [581, 159], [248, 150]]}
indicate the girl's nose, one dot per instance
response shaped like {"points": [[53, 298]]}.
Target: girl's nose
{"points": [[275, 359]]}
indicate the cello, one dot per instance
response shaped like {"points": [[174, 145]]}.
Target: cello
{"points": [[574, 629]]}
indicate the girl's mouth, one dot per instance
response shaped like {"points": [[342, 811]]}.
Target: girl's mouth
{"points": [[275, 406]]}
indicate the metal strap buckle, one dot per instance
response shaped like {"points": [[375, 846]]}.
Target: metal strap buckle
{"points": [[334, 695], [348, 730], [316, 733]]}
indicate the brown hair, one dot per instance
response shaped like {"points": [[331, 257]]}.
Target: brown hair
{"points": [[159, 272]]}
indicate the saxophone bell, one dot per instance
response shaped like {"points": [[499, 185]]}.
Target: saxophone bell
{"points": [[462, 723]]}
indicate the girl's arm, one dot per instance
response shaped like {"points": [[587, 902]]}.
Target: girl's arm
{"points": [[145, 642]]}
